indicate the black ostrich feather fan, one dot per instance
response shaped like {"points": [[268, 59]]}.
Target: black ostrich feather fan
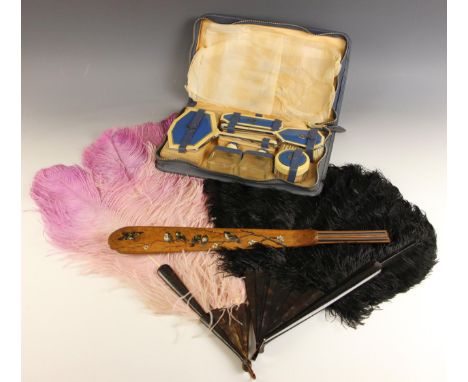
{"points": [[352, 199]]}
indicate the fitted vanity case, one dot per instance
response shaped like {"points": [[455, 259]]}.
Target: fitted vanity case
{"points": [[264, 100]]}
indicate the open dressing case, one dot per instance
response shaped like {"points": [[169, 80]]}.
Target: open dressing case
{"points": [[263, 108]]}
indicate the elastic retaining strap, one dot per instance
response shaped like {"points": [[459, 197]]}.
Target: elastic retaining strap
{"points": [[294, 164], [191, 129], [275, 125], [310, 142], [228, 150], [233, 122], [258, 154]]}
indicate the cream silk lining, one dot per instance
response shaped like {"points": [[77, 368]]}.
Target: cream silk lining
{"points": [[289, 74]]}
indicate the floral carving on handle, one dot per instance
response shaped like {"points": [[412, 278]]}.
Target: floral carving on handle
{"points": [[132, 235]]}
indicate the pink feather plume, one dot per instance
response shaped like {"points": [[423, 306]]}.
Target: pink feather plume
{"points": [[118, 186]]}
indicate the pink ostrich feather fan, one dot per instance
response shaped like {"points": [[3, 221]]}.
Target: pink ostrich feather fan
{"points": [[118, 185]]}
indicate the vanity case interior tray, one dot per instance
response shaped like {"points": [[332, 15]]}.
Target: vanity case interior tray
{"points": [[264, 100]]}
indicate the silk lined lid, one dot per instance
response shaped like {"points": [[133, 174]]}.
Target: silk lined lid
{"points": [[286, 73]]}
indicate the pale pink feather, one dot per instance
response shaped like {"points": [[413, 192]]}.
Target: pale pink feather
{"points": [[154, 133], [120, 186], [115, 156]]}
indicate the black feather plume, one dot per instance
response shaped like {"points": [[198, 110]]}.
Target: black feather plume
{"points": [[352, 199]]}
